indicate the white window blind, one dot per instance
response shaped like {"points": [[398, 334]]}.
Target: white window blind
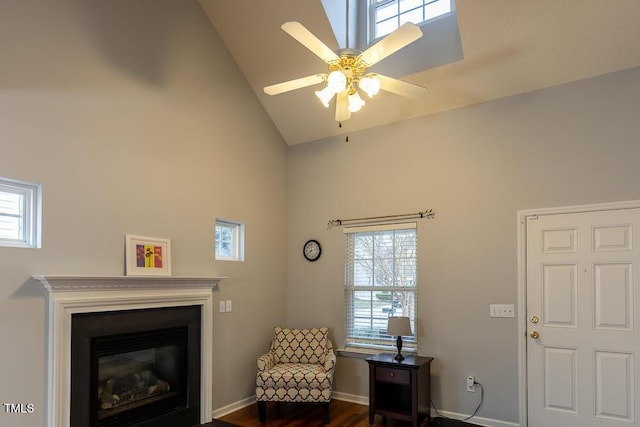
{"points": [[380, 281], [19, 214]]}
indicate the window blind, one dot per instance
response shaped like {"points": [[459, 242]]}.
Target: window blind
{"points": [[380, 281], [11, 215], [20, 209]]}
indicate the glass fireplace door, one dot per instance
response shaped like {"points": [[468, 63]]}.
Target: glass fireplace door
{"points": [[135, 373]]}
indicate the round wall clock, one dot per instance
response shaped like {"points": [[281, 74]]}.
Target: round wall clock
{"points": [[311, 250]]}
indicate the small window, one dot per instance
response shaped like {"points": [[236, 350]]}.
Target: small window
{"points": [[20, 208], [387, 15], [229, 240], [380, 281]]}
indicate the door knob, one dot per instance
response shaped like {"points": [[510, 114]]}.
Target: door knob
{"points": [[534, 334]]}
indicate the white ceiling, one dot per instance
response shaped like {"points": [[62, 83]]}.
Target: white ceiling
{"points": [[510, 47]]}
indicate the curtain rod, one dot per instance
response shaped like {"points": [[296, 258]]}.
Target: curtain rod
{"points": [[429, 214]]}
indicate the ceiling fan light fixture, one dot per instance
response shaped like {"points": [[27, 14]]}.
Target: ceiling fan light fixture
{"points": [[337, 81], [370, 84], [355, 102], [347, 68], [325, 95]]}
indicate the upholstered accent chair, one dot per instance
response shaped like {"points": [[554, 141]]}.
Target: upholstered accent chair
{"points": [[299, 367]]}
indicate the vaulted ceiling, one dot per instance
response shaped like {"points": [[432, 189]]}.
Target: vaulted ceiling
{"points": [[509, 47]]}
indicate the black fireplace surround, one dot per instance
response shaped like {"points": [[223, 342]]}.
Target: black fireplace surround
{"points": [[136, 367]]}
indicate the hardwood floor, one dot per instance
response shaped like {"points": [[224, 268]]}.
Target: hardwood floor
{"points": [[343, 414]]}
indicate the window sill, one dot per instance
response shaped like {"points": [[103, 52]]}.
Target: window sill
{"points": [[364, 352]]}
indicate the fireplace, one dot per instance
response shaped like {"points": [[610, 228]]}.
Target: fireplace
{"points": [[133, 366], [128, 380], [129, 351]]}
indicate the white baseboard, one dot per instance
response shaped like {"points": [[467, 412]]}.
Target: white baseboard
{"points": [[353, 398], [364, 400], [232, 407], [487, 422]]}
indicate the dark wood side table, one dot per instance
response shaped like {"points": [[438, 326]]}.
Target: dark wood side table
{"points": [[400, 390]]}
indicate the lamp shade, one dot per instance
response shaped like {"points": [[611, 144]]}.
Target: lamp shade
{"points": [[399, 326]]}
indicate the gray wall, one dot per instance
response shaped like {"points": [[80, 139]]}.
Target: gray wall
{"points": [[135, 119], [476, 167]]}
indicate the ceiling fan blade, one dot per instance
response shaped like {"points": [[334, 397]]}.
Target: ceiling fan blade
{"points": [[404, 35], [342, 107], [401, 88], [294, 84], [308, 40]]}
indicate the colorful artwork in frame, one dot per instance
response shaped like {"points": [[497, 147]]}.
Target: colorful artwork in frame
{"points": [[147, 256]]}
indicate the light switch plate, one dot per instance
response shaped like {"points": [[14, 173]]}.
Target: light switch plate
{"points": [[502, 310], [229, 307], [222, 307]]}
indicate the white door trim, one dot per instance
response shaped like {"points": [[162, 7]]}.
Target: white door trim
{"points": [[522, 281]]}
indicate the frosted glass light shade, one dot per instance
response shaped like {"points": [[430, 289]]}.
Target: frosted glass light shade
{"points": [[370, 84], [337, 81], [325, 95], [355, 102]]}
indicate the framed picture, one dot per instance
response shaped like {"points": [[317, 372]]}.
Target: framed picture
{"points": [[147, 256]]}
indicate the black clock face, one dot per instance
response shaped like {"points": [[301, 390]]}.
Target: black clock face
{"points": [[311, 250]]}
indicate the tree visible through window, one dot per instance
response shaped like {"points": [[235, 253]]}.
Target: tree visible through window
{"points": [[229, 241], [380, 281]]}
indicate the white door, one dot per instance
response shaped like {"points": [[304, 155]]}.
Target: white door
{"points": [[583, 301]]}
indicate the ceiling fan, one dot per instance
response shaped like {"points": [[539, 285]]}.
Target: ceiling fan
{"points": [[347, 70]]}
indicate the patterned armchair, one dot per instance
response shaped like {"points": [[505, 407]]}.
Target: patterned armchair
{"points": [[299, 367]]}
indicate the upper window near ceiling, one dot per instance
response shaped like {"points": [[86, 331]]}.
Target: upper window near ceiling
{"points": [[20, 208], [387, 15], [358, 24], [229, 240]]}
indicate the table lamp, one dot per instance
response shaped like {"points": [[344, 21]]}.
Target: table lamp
{"points": [[399, 326]]}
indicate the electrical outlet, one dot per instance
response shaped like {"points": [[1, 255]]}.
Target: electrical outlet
{"points": [[471, 384]]}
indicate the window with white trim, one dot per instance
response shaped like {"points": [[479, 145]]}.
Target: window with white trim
{"points": [[387, 15], [20, 208], [380, 281], [229, 240]]}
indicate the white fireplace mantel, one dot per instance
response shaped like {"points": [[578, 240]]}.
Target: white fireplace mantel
{"points": [[70, 295], [78, 283]]}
